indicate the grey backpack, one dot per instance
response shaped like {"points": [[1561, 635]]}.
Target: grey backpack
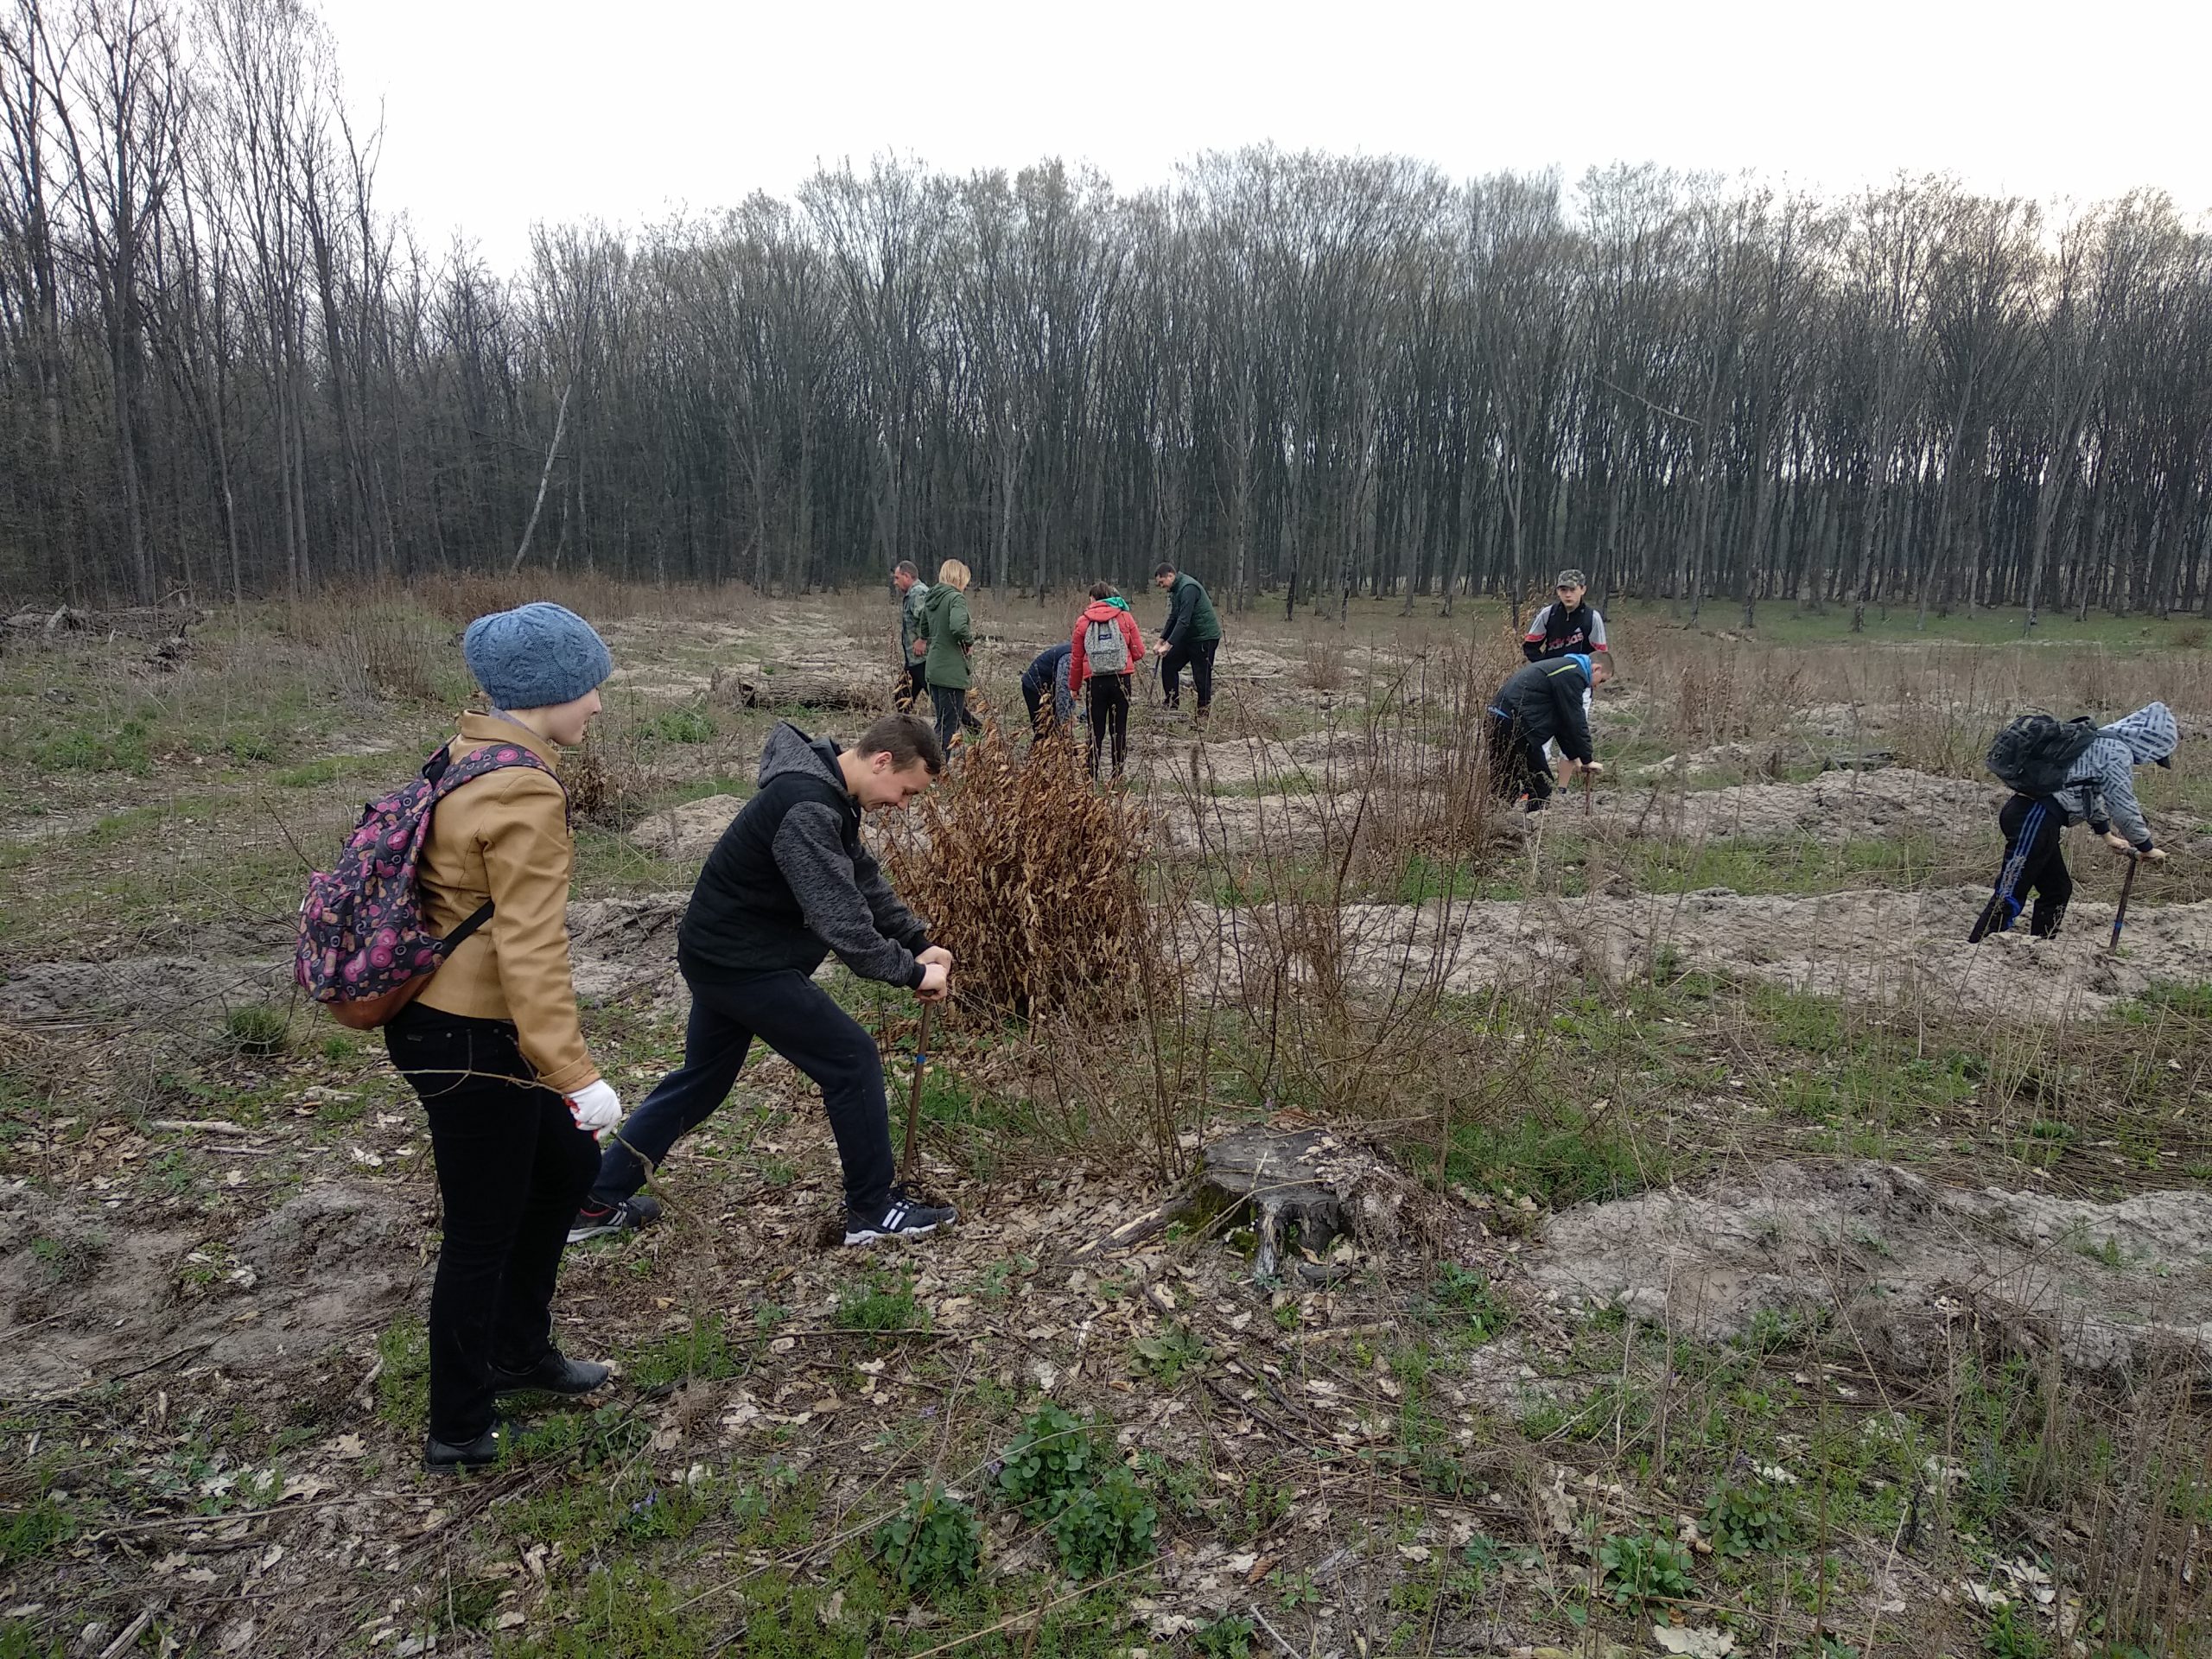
{"points": [[1105, 648]]}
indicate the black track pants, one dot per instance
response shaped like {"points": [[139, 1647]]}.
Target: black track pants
{"points": [[2035, 862]]}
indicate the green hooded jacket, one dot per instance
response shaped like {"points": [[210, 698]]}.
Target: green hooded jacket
{"points": [[944, 625]]}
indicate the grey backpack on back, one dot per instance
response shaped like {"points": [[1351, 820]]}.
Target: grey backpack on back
{"points": [[1105, 649]]}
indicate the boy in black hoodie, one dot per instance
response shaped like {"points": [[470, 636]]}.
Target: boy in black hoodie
{"points": [[788, 883], [1537, 703]]}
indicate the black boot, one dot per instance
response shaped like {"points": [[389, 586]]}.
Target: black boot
{"points": [[440, 1458], [554, 1373]]}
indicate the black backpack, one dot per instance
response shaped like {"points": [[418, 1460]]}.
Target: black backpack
{"points": [[2036, 752]]}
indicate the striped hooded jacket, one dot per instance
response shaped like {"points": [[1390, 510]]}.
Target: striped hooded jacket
{"points": [[2101, 787]]}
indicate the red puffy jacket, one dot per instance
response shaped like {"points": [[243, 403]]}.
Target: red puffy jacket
{"points": [[1101, 610]]}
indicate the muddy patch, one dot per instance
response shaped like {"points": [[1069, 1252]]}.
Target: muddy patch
{"points": [[112, 1298], [1917, 1271]]}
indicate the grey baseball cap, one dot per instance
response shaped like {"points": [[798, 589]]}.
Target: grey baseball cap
{"points": [[1572, 579]]}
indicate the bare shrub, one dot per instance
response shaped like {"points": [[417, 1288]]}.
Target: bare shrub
{"points": [[1324, 668], [1338, 1002], [381, 647], [461, 599], [1715, 693], [1028, 873], [605, 782]]}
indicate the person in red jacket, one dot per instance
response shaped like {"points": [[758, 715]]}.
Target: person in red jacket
{"points": [[1106, 649]]}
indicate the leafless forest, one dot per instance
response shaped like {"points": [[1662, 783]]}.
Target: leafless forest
{"points": [[229, 367]]}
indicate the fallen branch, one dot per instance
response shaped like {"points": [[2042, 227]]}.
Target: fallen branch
{"points": [[129, 1639], [199, 1125]]}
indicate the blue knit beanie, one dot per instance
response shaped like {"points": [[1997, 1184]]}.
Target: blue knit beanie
{"points": [[535, 656]]}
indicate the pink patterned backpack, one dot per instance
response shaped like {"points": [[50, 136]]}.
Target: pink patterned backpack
{"points": [[364, 950]]}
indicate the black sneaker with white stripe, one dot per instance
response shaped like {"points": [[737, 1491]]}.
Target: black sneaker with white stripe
{"points": [[594, 1221], [901, 1216]]}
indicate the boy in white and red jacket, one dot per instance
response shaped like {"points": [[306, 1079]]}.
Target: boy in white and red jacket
{"points": [[1102, 655]]}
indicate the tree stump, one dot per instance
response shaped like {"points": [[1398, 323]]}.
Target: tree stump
{"points": [[1303, 1189]]}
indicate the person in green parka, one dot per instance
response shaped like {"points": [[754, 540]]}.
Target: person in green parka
{"points": [[942, 641], [1190, 639]]}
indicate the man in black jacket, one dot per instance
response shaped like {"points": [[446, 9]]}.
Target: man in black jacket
{"points": [[1537, 703], [788, 883]]}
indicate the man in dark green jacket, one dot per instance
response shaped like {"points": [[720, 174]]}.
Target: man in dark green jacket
{"points": [[1191, 637]]}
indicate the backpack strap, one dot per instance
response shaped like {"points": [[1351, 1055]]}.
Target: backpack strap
{"points": [[459, 936], [444, 777]]}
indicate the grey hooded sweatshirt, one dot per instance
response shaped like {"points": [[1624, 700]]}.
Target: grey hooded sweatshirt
{"points": [[2101, 787], [789, 881]]}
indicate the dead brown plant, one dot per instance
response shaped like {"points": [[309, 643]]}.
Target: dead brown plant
{"points": [[1028, 872]]}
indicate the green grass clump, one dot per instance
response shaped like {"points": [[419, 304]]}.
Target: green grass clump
{"points": [[1466, 1297], [621, 1611], [1169, 1355], [1101, 1529], [1055, 1453], [1561, 1156], [880, 1303], [683, 726], [1742, 1519], [31, 1533], [124, 747], [700, 1352], [257, 1030], [1227, 1638], [1060, 1469], [404, 1374]]}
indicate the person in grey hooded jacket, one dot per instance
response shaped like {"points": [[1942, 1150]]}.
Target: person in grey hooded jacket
{"points": [[788, 884], [2100, 791]]}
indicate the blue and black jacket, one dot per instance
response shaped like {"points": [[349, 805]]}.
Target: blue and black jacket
{"points": [[1543, 701]]}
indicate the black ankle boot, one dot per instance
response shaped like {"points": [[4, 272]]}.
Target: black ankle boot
{"points": [[552, 1373], [441, 1458]]}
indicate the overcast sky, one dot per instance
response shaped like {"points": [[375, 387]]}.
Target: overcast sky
{"points": [[499, 112]]}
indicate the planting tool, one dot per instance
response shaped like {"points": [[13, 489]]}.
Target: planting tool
{"points": [[906, 1169], [2127, 887], [1587, 780]]}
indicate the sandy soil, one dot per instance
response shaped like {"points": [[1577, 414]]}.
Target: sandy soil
{"points": [[1912, 1267]]}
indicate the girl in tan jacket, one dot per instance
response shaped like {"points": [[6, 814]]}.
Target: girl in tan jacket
{"points": [[493, 1044]]}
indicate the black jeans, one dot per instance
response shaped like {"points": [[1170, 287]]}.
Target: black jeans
{"points": [[1517, 766], [802, 1022], [950, 702], [2035, 862], [1197, 656], [1109, 710], [513, 1167]]}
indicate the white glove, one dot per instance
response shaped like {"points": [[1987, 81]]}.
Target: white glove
{"points": [[596, 1107]]}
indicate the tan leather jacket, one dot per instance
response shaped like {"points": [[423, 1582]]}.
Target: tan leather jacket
{"points": [[504, 836]]}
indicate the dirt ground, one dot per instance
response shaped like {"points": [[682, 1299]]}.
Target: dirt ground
{"points": [[2113, 1287], [221, 1219]]}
